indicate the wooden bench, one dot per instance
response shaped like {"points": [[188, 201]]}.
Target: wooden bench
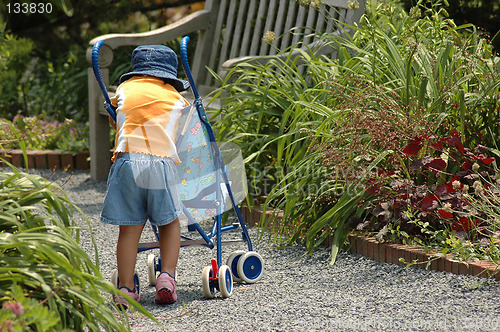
{"points": [[226, 32]]}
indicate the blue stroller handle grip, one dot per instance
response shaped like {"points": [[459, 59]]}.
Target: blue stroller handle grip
{"points": [[97, 73], [185, 66]]}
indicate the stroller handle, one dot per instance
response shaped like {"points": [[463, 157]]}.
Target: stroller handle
{"points": [[185, 66], [100, 80]]}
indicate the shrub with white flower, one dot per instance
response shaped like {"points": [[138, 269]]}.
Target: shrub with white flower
{"points": [[353, 5], [269, 37]]}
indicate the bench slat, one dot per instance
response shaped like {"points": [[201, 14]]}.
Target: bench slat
{"points": [[310, 23], [320, 23], [279, 26], [227, 33], [299, 24], [238, 30], [214, 50], [292, 8], [258, 31], [249, 29], [269, 19]]}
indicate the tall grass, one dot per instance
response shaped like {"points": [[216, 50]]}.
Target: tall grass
{"points": [[316, 130], [43, 269], [434, 66]]}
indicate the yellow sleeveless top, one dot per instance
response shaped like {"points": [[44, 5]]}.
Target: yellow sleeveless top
{"points": [[147, 117]]}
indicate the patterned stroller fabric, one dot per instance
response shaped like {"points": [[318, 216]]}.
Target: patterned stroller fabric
{"points": [[199, 176]]}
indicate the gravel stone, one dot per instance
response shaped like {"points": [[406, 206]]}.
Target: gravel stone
{"points": [[297, 292]]}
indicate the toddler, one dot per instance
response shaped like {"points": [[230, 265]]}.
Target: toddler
{"points": [[143, 180]]}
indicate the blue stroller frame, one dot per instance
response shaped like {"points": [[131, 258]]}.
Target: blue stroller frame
{"points": [[246, 266]]}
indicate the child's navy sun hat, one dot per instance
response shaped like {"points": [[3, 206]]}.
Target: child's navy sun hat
{"points": [[157, 61]]}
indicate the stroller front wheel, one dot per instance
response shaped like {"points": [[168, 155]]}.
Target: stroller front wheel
{"points": [[225, 281], [207, 284]]}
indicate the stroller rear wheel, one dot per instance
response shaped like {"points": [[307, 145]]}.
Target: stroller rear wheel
{"points": [[232, 262], [116, 281], [151, 269], [250, 267]]}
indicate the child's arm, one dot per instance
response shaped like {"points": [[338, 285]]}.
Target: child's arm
{"points": [[114, 102], [111, 122]]}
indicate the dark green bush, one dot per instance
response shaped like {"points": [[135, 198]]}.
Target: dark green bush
{"points": [[59, 88], [15, 54], [54, 87]]}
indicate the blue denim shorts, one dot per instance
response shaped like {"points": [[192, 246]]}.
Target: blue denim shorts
{"points": [[142, 187]]}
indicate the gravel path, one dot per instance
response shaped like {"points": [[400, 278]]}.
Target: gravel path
{"points": [[299, 292]]}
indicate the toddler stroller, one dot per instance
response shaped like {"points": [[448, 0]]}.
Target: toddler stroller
{"points": [[206, 192]]}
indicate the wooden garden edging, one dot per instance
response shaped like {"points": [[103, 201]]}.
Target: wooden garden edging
{"points": [[47, 159], [397, 253]]}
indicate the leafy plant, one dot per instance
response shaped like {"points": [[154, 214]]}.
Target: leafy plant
{"points": [[20, 313], [58, 88], [279, 114], [436, 67], [36, 133], [313, 128], [429, 202], [42, 265], [485, 14], [15, 55]]}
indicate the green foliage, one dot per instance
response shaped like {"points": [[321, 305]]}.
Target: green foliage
{"points": [[433, 66], [278, 115], [447, 81], [58, 88], [15, 54], [433, 204], [20, 313], [314, 129], [72, 24], [56, 81], [43, 267], [486, 205], [36, 133], [485, 14], [51, 89]]}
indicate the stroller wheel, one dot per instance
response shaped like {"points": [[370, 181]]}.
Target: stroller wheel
{"points": [[232, 262], [114, 277], [225, 281], [136, 283], [207, 284], [115, 280], [250, 267], [151, 269]]}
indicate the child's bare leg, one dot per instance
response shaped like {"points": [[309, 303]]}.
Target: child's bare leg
{"points": [[170, 243], [126, 253]]}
